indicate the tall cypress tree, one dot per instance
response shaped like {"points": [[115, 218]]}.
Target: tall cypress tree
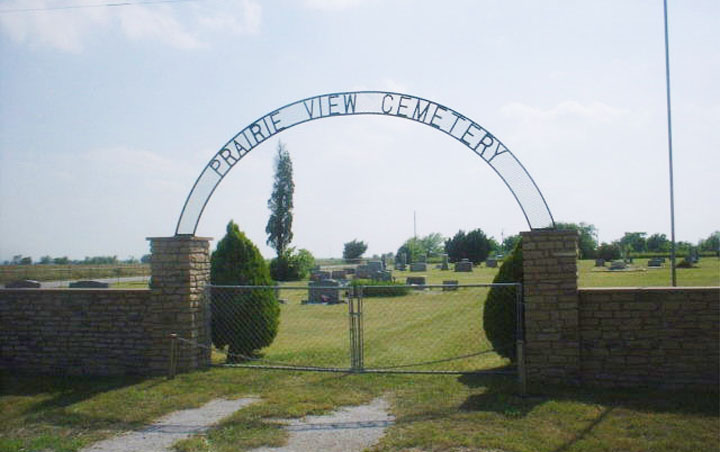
{"points": [[279, 226]]}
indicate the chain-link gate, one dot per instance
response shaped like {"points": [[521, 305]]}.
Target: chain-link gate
{"points": [[361, 328]]}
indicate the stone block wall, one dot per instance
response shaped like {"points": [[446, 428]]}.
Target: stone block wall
{"points": [[650, 336], [180, 268], [75, 331], [114, 332], [551, 305]]}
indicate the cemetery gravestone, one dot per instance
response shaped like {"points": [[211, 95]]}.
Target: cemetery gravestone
{"points": [[491, 263], [654, 263], [23, 284], [463, 266], [416, 281], [618, 265], [375, 266], [324, 291], [338, 274], [450, 285], [600, 262], [88, 285], [363, 272], [445, 263], [400, 262], [418, 267], [318, 275]]}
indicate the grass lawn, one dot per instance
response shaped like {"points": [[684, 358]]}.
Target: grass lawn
{"points": [[440, 412], [433, 412]]}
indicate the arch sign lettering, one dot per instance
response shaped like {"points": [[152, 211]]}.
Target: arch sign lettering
{"points": [[380, 103]]}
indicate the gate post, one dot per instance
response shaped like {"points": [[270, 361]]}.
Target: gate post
{"points": [[552, 343], [180, 269]]}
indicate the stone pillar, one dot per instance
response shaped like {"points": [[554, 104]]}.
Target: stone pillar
{"points": [[551, 306], [180, 268]]}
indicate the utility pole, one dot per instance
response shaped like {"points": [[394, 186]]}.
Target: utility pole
{"points": [[414, 226], [670, 151]]}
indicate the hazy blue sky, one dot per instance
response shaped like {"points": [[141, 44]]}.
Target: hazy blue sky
{"points": [[108, 114]]}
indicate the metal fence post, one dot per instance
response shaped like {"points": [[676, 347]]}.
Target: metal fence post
{"points": [[172, 368], [520, 340]]}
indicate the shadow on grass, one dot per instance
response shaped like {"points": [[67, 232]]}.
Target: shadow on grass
{"points": [[504, 391], [62, 392], [502, 396]]}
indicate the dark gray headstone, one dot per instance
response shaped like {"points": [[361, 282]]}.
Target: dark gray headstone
{"points": [[23, 284], [655, 262], [318, 275], [416, 281], [363, 272], [445, 263], [463, 266], [450, 284], [618, 265], [88, 285], [324, 291], [418, 267], [338, 274], [491, 263], [600, 262], [375, 266]]}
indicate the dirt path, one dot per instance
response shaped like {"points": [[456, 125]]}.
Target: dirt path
{"points": [[345, 430], [179, 425]]}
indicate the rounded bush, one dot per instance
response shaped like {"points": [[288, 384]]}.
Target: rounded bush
{"points": [[244, 319], [291, 266], [499, 315]]}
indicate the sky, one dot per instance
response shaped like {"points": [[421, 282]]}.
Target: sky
{"points": [[108, 114]]}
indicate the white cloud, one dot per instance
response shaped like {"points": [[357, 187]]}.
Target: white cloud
{"points": [[246, 20], [139, 23], [61, 29], [70, 29]]}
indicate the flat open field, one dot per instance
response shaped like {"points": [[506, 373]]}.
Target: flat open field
{"points": [[69, 272]]}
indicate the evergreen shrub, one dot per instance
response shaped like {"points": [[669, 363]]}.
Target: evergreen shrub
{"points": [[245, 320], [499, 315]]}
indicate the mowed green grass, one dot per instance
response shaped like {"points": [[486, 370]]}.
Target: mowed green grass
{"points": [[432, 412], [439, 412], [423, 326], [705, 273]]}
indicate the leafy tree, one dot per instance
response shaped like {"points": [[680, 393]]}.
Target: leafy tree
{"points": [[658, 243], [587, 242], [26, 260], [634, 242], [474, 246], [45, 260], [292, 266], [146, 258], [712, 243], [509, 243], [432, 244], [609, 251], [412, 249], [279, 226], [354, 249], [61, 260], [244, 319], [499, 314]]}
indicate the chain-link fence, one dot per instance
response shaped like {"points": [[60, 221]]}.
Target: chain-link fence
{"points": [[338, 327]]}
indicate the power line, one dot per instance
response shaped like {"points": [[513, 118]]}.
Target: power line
{"points": [[98, 5]]}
